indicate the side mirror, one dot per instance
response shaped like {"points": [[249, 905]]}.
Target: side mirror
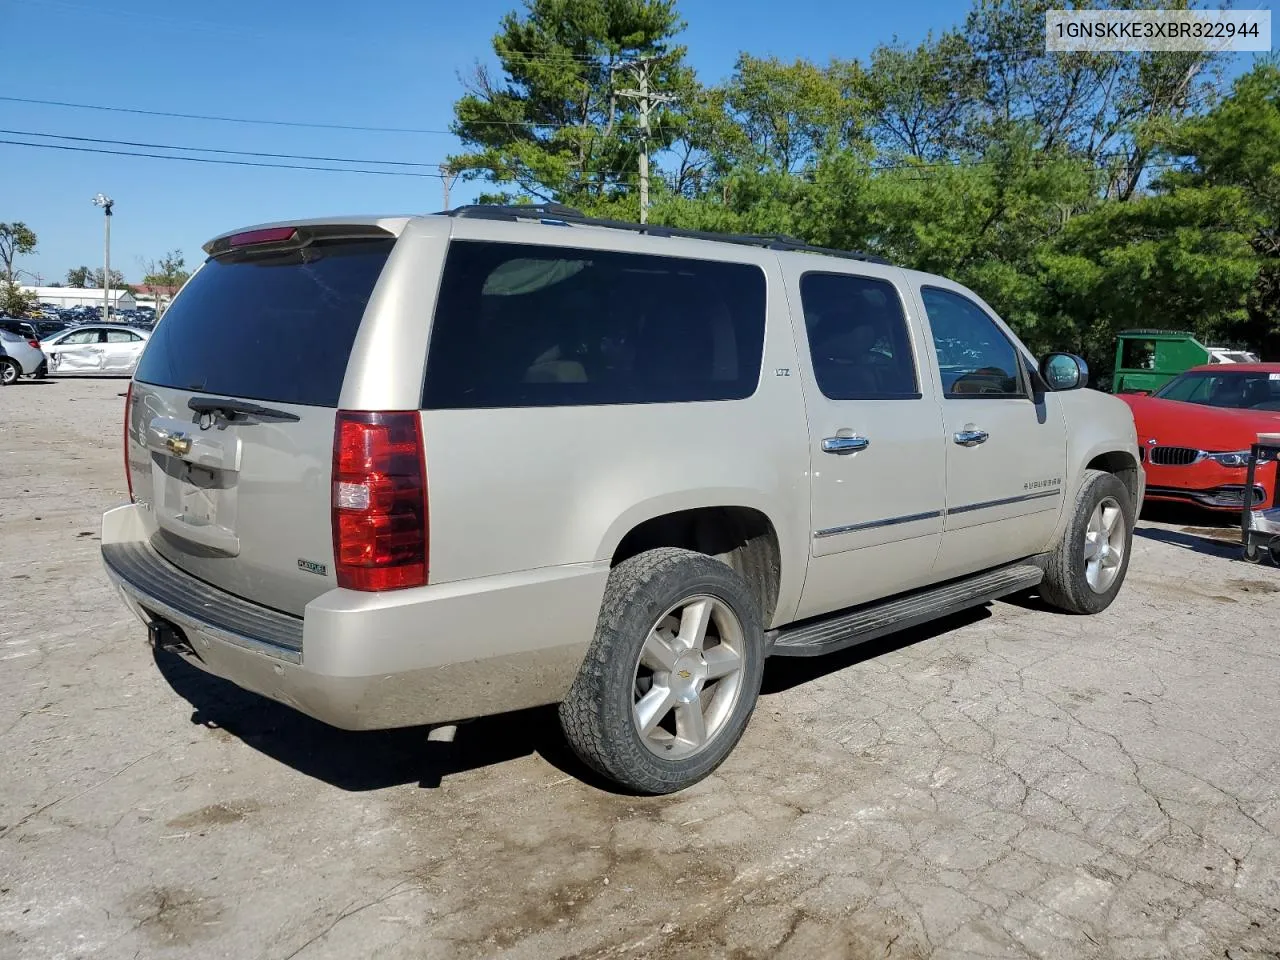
{"points": [[1064, 371]]}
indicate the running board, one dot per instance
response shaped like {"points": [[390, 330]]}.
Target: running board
{"points": [[849, 627]]}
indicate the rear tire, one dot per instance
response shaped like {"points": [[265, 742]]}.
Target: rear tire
{"points": [[9, 372], [672, 675], [1087, 568]]}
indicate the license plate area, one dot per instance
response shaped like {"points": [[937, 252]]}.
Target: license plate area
{"points": [[199, 496], [195, 475]]}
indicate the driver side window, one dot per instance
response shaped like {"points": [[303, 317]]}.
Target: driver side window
{"points": [[81, 336], [975, 357]]}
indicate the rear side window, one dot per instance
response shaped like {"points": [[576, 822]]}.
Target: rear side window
{"points": [[268, 326], [858, 338], [528, 326]]}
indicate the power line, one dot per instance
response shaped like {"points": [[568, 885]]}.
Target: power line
{"points": [[422, 131], [554, 56], [220, 119], [234, 163], [287, 123], [237, 153], [527, 182]]}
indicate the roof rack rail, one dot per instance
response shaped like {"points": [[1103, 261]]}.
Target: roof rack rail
{"points": [[559, 213], [514, 211]]}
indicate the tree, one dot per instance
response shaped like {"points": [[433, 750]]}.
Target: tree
{"points": [[924, 101], [168, 274], [1077, 192], [1107, 106], [91, 277], [117, 279], [553, 126], [80, 277], [16, 239], [1237, 145], [780, 116], [1199, 249], [14, 301]]}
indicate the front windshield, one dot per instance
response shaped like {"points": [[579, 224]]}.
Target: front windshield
{"points": [[1239, 391]]}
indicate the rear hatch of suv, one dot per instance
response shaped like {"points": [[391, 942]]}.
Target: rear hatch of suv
{"points": [[231, 418]]}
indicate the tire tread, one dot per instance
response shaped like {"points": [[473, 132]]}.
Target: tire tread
{"points": [[1064, 586], [601, 738]]}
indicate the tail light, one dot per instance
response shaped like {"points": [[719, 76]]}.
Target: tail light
{"points": [[128, 406], [33, 343], [380, 531]]}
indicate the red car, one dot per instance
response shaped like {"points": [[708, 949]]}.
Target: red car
{"points": [[1196, 430]]}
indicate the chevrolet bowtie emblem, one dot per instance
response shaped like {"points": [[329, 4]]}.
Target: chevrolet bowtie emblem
{"points": [[179, 444], [685, 674]]}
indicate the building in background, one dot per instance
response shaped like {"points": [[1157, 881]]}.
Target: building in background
{"points": [[155, 297], [82, 297]]}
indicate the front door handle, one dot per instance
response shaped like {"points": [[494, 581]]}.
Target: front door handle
{"points": [[971, 437], [845, 444]]}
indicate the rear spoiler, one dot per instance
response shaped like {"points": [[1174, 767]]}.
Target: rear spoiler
{"points": [[290, 237]]}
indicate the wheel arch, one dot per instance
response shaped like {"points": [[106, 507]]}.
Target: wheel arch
{"points": [[1125, 466], [1110, 456], [740, 531]]}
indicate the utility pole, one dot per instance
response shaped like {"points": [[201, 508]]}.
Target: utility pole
{"points": [[646, 101], [448, 177], [106, 203]]}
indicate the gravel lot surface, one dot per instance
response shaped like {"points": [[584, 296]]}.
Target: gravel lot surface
{"points": [[1010, 783]]}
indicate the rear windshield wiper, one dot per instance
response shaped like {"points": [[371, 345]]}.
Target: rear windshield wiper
{"points": [[234, 408]]}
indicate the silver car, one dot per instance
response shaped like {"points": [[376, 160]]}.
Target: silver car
{"points": [[95, 350], [409, 470], [19, 357]]}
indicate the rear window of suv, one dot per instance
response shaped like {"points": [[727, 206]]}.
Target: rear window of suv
{"points": [[530, 326], [268, 325]]}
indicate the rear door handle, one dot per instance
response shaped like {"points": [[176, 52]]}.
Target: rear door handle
{"points": [[845, 444], [971, 438]]}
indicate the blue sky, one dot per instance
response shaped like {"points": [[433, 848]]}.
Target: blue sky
{"points": [[387, 63]]}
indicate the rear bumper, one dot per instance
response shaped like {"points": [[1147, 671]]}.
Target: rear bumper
{"points": [[364, 661]]}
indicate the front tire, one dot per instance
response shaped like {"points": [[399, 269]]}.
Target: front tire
{"points": [[672, 675], [1087, 568]]}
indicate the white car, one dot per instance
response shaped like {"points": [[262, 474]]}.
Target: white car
{"points": [[19, 357], [1225, 355], [96, 350]]}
